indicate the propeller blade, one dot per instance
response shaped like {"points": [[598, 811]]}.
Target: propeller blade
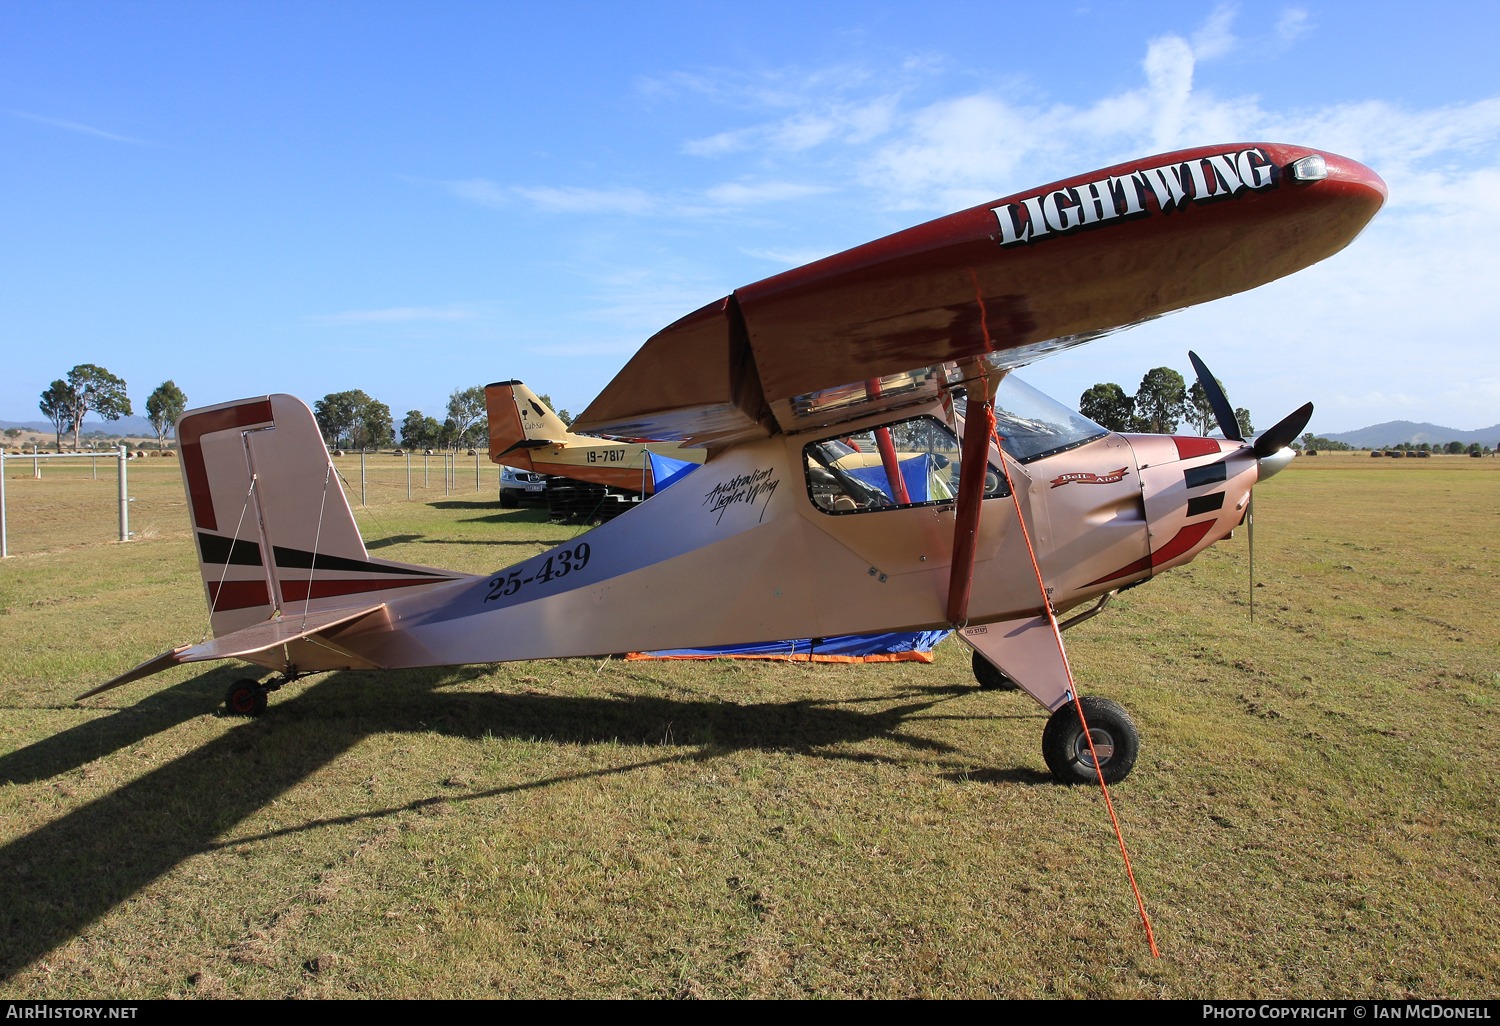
{"points": [[1223, 412], [1284, 433], [1250, 525]]}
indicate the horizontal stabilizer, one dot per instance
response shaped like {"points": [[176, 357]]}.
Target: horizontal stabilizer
{"points": [[244, 643], [165, 661], [273, 633]]}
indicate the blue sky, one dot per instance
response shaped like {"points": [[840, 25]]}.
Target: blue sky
{"points": [[409, 198]]}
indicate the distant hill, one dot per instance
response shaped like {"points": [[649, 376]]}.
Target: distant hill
{"points": [[133, 427], [1394, 432]]}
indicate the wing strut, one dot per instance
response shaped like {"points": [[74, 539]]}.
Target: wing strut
{"points": [[888, 457], [979, 424]]}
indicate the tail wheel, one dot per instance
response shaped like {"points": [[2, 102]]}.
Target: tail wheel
{"points": [[989, 676], [245, 698], [1066, 749]]}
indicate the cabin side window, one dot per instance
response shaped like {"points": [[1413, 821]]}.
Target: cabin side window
{"points": [[848, 474]]}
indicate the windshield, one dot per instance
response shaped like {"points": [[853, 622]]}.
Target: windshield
{"points": [[1034, 425]]}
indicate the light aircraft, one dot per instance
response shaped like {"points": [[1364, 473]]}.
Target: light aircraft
{"points": [[525, 433], [1023, 510]]}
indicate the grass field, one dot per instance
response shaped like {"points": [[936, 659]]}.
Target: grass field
{"points": [[1314, 812]]}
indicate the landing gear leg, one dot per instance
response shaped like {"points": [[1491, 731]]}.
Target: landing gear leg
{"points": [[1066, 749]]}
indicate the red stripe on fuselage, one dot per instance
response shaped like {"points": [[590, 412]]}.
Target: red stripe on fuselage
{"points": [[1184, 540]]}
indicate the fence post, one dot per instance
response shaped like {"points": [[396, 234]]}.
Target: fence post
{"points": [[447, 473], [4, 551], [124, 499], [425, 456], [408, 475], [362, 477], [94, 465], [476, 470]]}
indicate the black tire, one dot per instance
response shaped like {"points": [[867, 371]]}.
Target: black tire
{"points": [[989, 676], [245, 698], [1066, 751], [509, 499]]}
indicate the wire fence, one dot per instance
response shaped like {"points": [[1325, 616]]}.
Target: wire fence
{"points": [[375, 478], [52, 500]]}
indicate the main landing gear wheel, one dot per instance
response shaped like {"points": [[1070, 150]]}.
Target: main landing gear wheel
{"points": [[989, 676], [1066, 749], [245, 698]]}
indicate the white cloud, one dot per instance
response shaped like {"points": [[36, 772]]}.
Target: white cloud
{"points": [[395, 315], [73, 126], [1215, 39], [1292, 25], [568, 199], [849, 123], [481, 191], [743, 193], [791, 258]]}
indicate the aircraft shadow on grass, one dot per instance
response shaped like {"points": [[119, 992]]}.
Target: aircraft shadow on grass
{"points": [[544, 543], [70, 872], [395, 539], [512, 516]]}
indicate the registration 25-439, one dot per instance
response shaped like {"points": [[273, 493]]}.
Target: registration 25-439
{"points": [[557, 566]]}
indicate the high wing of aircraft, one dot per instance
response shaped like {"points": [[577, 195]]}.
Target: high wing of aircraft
{"points": [[993, 509]]}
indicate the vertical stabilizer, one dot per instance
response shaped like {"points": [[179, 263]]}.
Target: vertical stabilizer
{"points": [[273, 527], [520, 422]]}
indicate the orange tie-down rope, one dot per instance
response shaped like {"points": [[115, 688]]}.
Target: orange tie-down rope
{"points": [[1072, 687]]}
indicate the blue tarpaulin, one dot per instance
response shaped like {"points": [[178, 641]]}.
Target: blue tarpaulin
{"points": [[665, 471], [902, 646], [915, 472]]}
